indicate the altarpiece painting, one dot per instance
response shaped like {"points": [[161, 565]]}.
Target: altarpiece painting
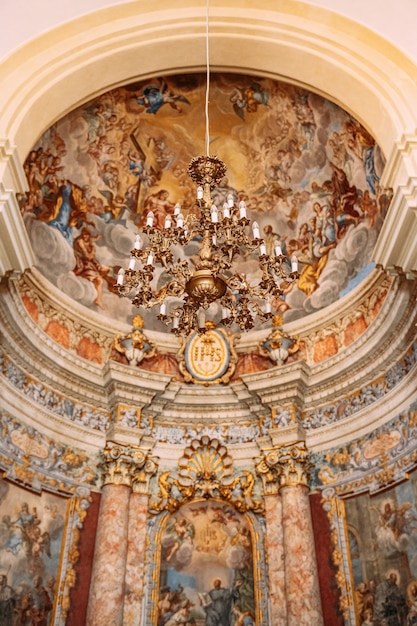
{"points": [[382, 538], [206, 572], [31, 534]]}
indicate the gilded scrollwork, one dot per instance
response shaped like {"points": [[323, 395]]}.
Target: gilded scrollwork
{"points": [[209, 358], [78, 511], [333, 508], [279, 346], [205, 471], [31, 458], [142, 475]]}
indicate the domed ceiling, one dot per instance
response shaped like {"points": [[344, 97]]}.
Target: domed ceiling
{"points": [[307, 170]]}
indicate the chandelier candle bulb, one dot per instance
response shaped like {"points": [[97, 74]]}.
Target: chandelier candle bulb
{"points": [[225, 313], [120, 276], [294, 264], [149, 219], [214, 279], [201, 319], [150, 259]]}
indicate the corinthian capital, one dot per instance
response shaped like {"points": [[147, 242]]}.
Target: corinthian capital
{"points": [[127, 465], [284, 466]]}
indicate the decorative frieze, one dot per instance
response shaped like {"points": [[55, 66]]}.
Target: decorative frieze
{"points": [[373, 462], [65, 329], [31, 458]]}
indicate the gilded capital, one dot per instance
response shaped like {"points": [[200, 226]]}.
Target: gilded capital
{"points": [[127, 465], [286, 466], [144, 469]]}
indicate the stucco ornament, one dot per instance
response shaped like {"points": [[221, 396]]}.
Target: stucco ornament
{"points": [[127, 465], [278, 346], [206, 471], [135, 345], [208, 358]]}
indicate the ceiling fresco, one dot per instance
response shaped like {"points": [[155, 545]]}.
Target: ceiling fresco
{"points": [[308, 171]]}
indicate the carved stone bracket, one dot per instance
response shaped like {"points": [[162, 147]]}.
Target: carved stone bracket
{"points": [[284, 466], [205, 471], [127, 465]]}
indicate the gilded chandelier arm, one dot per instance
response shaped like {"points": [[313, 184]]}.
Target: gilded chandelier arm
{"points": [[222, 234]]}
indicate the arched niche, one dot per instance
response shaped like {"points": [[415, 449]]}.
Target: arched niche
{"points": [[204, 559]]}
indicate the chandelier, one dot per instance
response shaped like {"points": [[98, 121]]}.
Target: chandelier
{"points": [[222, 233]]}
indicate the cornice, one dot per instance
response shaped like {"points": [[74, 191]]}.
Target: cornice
{"points": [[54, 426], [384, 342], [364, 422], [281, 395]]}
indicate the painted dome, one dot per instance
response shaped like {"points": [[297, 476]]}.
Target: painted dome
{"points": [[308, 171]]}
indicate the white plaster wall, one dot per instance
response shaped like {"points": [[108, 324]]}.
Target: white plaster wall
{"points": [[24, 20]]}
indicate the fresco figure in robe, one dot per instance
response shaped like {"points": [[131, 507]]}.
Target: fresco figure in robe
{"points": [[70, 210], [86, 264], [7, 602], [220, 603]]}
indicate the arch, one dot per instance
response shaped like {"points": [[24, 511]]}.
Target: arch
{"points": [[301, 43], [203, 541], [311, 46]]}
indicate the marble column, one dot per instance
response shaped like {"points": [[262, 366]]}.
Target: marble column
{"points": [[301, 578], [107, 582], [286, 468], [274, 540], [137, 542]]}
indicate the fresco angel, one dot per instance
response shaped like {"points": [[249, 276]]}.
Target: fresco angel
{"points": [[178, 532], [155, 96], [248, 99], [395, 523], [24, 533]]}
